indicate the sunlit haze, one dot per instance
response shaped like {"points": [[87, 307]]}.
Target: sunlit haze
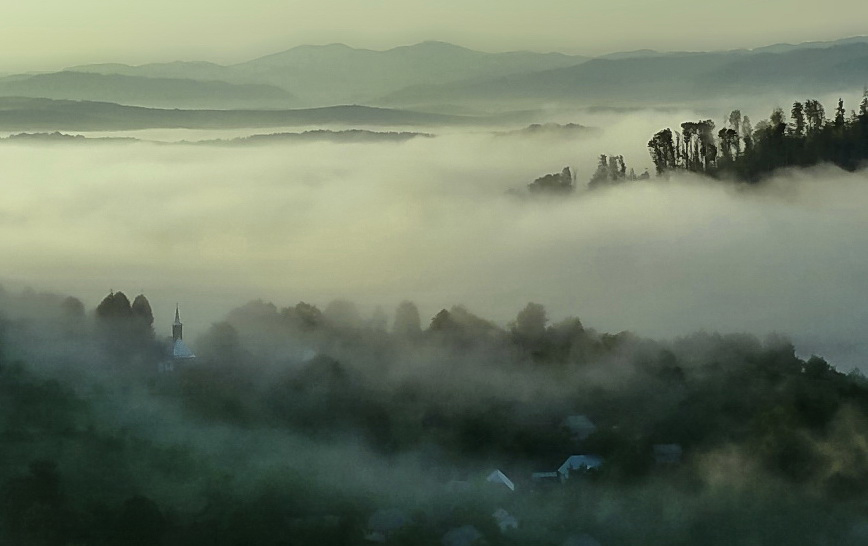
{"points": [[52, 34]]}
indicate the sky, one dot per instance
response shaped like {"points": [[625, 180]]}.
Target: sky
{"points": [[52, 34]]}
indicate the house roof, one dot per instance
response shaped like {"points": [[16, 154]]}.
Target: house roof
{"points": [[499, 477], [580, 462]]}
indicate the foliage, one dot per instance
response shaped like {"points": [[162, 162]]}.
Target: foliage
{"points": [[756, 423], [553, 183], [747, 154]]}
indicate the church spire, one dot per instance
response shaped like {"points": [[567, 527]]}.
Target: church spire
{"points": [[177, 326], [180, 351]]}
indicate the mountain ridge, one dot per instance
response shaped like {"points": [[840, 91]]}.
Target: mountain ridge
{"points": [[433, 74]]}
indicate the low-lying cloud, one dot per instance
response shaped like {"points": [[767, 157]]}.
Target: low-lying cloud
{"points": [[431, 220]]}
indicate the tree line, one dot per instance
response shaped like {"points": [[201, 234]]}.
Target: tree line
{"points": [[749, 153], [458, 391]]}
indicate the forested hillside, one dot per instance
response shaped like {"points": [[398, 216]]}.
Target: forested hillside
{"points": [[297, 425], [738, 150]]}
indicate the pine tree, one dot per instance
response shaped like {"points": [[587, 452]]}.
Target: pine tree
{"points": [[798, 113]]}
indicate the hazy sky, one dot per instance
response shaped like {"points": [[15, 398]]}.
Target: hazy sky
{"points": [[51, 34]]}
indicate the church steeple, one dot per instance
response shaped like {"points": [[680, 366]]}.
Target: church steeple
{"points": [[179, 350], [177, 326]]}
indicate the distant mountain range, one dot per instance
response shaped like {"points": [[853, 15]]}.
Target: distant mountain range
{"points": [[439, 76], [355, 136], [338, 74], [27, 114], [654, 78], [146, 91]]}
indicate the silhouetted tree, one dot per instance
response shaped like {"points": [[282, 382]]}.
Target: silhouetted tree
{"points": [[221, 344], [601, 175], [127, 334], [309, 317], [815, 116], [747, 134], [735, 121], [728, 144], [407, 321], [863, 106], [707, 147], [840, 114], [553, 183], [73, 307], [531, 322], [798, 115], [113, 307], [662, 151], [808, 140]]}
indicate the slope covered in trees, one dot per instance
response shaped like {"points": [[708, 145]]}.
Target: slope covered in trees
{"points": [[299, 425], [739, 150]]}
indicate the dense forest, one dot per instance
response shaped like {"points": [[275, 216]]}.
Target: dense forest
{"points": [[741, 152], [746, 153], [297, 425]]}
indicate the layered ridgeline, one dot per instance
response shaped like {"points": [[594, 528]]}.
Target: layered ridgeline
{"points": [[297, 425], [441, 75], [679, 78], [30, 114], [338, 74], [159, 92]]}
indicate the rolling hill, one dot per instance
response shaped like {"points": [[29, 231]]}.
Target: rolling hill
{"points": [[145, 91], [28, 114]]}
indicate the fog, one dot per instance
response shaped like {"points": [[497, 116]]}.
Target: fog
{"points": [[433, 220]]}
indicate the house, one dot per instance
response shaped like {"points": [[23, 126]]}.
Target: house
{"points": [[579, 463], [504, 520], [580, 426], [667, 453], [384, 523], [498, 477]]}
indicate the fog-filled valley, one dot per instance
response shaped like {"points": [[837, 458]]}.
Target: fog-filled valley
{"points": [[430, 295], [440, 220]]}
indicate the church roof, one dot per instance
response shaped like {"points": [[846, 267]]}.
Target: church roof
{"points": [[180, 350]]}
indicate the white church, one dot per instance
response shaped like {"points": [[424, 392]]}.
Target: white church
{"points": [[180, 353]]}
